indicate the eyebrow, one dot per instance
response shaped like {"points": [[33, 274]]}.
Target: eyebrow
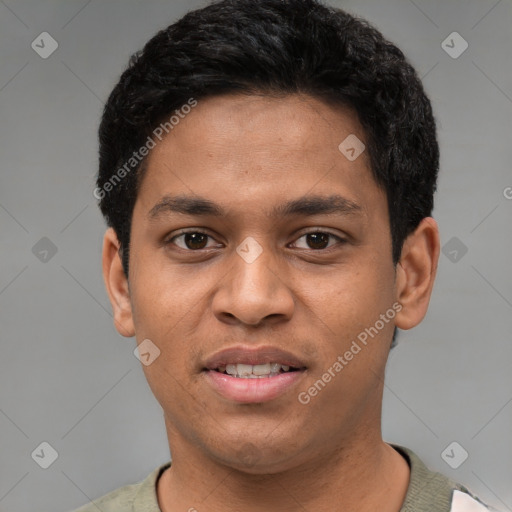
{"points": [[305, 206]]}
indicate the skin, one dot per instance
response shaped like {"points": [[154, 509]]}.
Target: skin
{"points": [[249, 154]]}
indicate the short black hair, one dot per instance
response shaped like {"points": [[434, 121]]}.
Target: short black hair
{"points": [[276, 48]]}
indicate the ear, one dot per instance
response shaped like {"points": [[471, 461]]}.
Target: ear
{"points": [[117, 285], [416, 272]]}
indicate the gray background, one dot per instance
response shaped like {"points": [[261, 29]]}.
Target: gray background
{"points": [[69, 379]]}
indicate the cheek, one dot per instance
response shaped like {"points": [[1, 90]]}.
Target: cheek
{"points": [[161, 295], [157, 310], [353, 297], [168, 306]]}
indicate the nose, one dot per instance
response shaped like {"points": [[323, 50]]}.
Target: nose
{"points": [[253, 293]]}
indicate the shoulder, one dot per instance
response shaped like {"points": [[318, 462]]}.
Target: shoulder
{"points": [[120, 500], [139, 497], [430, 491]]}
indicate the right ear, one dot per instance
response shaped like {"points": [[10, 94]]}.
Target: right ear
{"points": [[117, 285]]}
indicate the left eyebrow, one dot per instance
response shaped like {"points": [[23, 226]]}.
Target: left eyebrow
{"points": [[305, 206], [318, 205]]}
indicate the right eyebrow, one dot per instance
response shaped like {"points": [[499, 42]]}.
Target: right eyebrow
{"points": [[185, 205]]}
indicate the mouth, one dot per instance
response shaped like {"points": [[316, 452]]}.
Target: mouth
{"points": [[249, 375], [255, 371]]}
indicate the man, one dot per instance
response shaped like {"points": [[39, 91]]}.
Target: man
{"points": [[267, 172]]}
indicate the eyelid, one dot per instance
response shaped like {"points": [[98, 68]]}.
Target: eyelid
{"points": [[340, 239], [170, 239], [184, 231], [318, 230]]}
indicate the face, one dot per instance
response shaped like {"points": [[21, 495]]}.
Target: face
{"points": [[257, 245]]}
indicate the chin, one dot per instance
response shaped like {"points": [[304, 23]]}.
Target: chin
{"points": [[258, 458]]}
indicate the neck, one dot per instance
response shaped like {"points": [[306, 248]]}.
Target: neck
{"points": [[363, 474]]}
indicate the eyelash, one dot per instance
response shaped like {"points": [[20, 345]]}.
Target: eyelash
{"points": [[171, 240]]}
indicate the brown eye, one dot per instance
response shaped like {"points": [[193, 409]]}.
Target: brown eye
{"points": [[192, 240], [318, 240], [195, 240]]}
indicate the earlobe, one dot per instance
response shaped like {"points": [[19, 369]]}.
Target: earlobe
{"points": [[416, 272], [117, 285]]}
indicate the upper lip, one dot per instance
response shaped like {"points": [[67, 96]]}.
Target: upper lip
{"points": [[241, 354]]}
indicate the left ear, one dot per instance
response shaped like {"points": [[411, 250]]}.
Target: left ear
{"points": [[416, 272]]}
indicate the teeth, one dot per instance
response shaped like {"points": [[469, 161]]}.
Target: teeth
{"points": [[231, 369], [261, 369], [253, 371], [275, 367], [244, 370]]}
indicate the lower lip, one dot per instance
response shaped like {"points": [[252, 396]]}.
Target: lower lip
{"points": [[250, 391]]}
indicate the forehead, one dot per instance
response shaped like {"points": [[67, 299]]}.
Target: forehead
{"points": [[258, 148], [295, 121]]}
